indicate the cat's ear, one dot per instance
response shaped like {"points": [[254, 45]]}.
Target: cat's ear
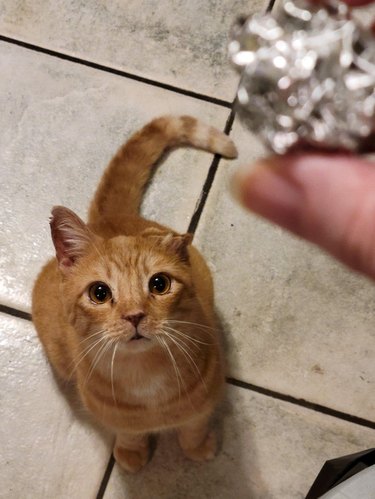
{"points": [[178, 243], [171, 242], [70, 235]]}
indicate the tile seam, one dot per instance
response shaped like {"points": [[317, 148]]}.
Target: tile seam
{"points": [[117, 72], [201, 202], [322, 409], [270, 5], [106, 477], [14, 312]]}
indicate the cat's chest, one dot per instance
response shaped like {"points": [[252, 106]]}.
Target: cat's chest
{"points": [[149, 391]]}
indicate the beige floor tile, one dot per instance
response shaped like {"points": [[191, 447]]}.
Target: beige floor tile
{"points": [[47, 450], [180, 43], [359, 485], [270, 450], [295, 320], [60, 124]]}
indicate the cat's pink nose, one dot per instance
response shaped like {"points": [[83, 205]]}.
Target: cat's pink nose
{"points": [[134, 319]]}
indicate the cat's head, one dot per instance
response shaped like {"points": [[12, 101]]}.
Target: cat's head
{"points": [[127, 287]]}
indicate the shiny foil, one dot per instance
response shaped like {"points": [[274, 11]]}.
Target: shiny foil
{"points": [[307, 77]]}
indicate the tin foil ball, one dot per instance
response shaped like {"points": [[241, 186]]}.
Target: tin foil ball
{"points": [[307, 77]]}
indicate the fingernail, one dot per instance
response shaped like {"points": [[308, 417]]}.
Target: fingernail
{"points": [[265, 190]]}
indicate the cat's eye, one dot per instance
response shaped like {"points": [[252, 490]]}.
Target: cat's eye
{"points": [[159, 284], [99, 292]]}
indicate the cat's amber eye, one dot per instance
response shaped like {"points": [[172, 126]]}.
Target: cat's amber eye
{"points": [[159, 284], [99, 292]]}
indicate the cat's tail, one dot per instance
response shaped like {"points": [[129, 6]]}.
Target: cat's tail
{"points": [[121, 187]]}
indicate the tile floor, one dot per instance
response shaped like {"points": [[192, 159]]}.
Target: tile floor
{"points": [[76, 79]]}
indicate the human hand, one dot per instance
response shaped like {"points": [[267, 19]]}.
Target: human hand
{"points": [[328, 199]]}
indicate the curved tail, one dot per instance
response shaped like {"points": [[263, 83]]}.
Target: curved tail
{"points": [[122, 184]]}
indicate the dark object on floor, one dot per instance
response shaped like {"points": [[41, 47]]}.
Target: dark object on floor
{"points": [[336, 471]]}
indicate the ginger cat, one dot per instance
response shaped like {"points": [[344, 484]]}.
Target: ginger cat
{"points": [[126, 308]]}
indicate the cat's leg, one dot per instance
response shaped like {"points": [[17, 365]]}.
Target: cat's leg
{"points": [[197, 441], [131, 451]]}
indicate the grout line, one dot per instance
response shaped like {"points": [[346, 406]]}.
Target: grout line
{"points": [[270, 5], [106, 477], [118, 72], [303, 403], [194, 221], [15, 313]]}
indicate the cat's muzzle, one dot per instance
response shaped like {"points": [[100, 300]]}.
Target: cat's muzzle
{"points": [[307, 77]]}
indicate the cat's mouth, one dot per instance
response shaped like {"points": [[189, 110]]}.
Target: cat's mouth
{"points": [[137, 336]]}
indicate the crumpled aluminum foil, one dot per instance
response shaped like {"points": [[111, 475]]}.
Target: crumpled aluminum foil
{"points": [[307, 77]]}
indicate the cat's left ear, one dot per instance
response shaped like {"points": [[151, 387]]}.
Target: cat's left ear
{"points": [[70, 235], [178, 243]]}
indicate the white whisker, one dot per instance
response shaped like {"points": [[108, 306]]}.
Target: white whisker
{"points": [[92, 336], [192, 324], [112, 369], [186, 336], [179, 341], [84, 354], [174, 363], [206, 329], [99, 355], [188, 356]]}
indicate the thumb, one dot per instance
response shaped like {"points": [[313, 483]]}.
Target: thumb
{"points": [[328, 200]]}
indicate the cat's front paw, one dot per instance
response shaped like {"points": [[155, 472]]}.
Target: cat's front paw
{"points": [[206, 451], [131, 460]]}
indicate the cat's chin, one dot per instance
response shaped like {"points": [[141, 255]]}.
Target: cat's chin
{"points": [[137, 344]]}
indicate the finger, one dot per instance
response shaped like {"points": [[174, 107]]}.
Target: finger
{"points": [[328, 200]]}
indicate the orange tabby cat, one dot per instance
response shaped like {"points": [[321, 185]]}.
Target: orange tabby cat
{"points": [[126, 308]]}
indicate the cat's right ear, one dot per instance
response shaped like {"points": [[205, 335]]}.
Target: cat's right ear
{"points": [[70, 235]]}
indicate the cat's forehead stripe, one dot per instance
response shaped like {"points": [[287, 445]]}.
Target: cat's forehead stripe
{"points": [[132, 252]]}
